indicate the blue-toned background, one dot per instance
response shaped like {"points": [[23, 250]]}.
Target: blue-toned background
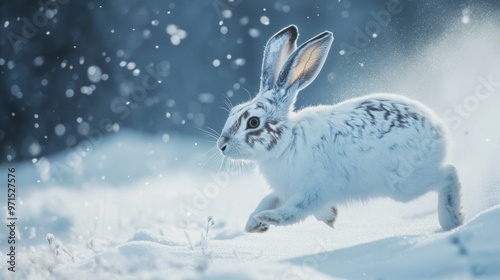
{"points": [[72, 70]]}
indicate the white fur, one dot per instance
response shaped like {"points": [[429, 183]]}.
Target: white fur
{"points": [[380, 145]]}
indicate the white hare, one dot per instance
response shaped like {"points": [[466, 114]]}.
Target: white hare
{"points": [[314, 159]]}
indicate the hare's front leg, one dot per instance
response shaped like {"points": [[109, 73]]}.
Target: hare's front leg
{"points": [[270, 201], [297, 208]]}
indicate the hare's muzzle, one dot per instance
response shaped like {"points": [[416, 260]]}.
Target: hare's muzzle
{"points": [[222, 143]]}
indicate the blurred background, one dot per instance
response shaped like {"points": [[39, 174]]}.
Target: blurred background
{"points": [[72, 71]]}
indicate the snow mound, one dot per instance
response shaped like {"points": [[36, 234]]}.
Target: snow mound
{"points": [[472, 250]]}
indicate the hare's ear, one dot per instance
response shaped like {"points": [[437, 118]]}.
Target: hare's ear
{"points": [[303, 66], [277, 51]]}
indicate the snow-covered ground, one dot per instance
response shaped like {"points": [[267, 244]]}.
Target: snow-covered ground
{"points": [[128, 206], [148, 218]]}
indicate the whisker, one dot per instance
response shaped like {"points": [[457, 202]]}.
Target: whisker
{"points": [[211, 134], [224, 163], [211, 157], [221, 163], [249, 95], [205, 130], [212, 137], [215, 162], [236, 163], [244, 167], [228, 104], [214, 131], [210, 150], [227, 165], [224, 108], [229, 101]]}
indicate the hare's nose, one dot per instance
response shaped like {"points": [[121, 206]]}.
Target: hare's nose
{"points": [[222, 143]]}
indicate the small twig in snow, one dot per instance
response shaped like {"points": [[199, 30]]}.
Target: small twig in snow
{"points": [[189, 240]]}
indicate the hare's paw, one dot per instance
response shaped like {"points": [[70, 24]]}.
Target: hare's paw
{"points": [[273, 217], [254, 225], [330, 221], [328, 215]]}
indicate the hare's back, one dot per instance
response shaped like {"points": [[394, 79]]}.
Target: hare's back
{"points": [[388, 116]]}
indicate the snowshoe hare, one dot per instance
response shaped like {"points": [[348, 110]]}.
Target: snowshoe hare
{"points": [[314, 159]]}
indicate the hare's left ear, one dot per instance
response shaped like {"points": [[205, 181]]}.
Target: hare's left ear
{"points": [[303, 66], [278, 48]]}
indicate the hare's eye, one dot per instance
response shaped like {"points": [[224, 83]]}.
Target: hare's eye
{"points": [[253, 122]]}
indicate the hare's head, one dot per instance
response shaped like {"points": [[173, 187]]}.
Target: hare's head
{"points": [[259, 128]]}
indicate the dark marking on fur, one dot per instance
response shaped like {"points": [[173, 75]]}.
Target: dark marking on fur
{"points": [[348, 124], [238, 123], [256, 135], [260, 105], [335, 212], [274, 220], [449, 199], [331, 222], [241, 109], [387, 115], [233, 128], [304, 203], [280, 82], [251, 136], [275, 133], [262, 227], [225, 138]]}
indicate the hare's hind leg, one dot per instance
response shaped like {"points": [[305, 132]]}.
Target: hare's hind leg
{"points": [[449, 206], [328, 215]]}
